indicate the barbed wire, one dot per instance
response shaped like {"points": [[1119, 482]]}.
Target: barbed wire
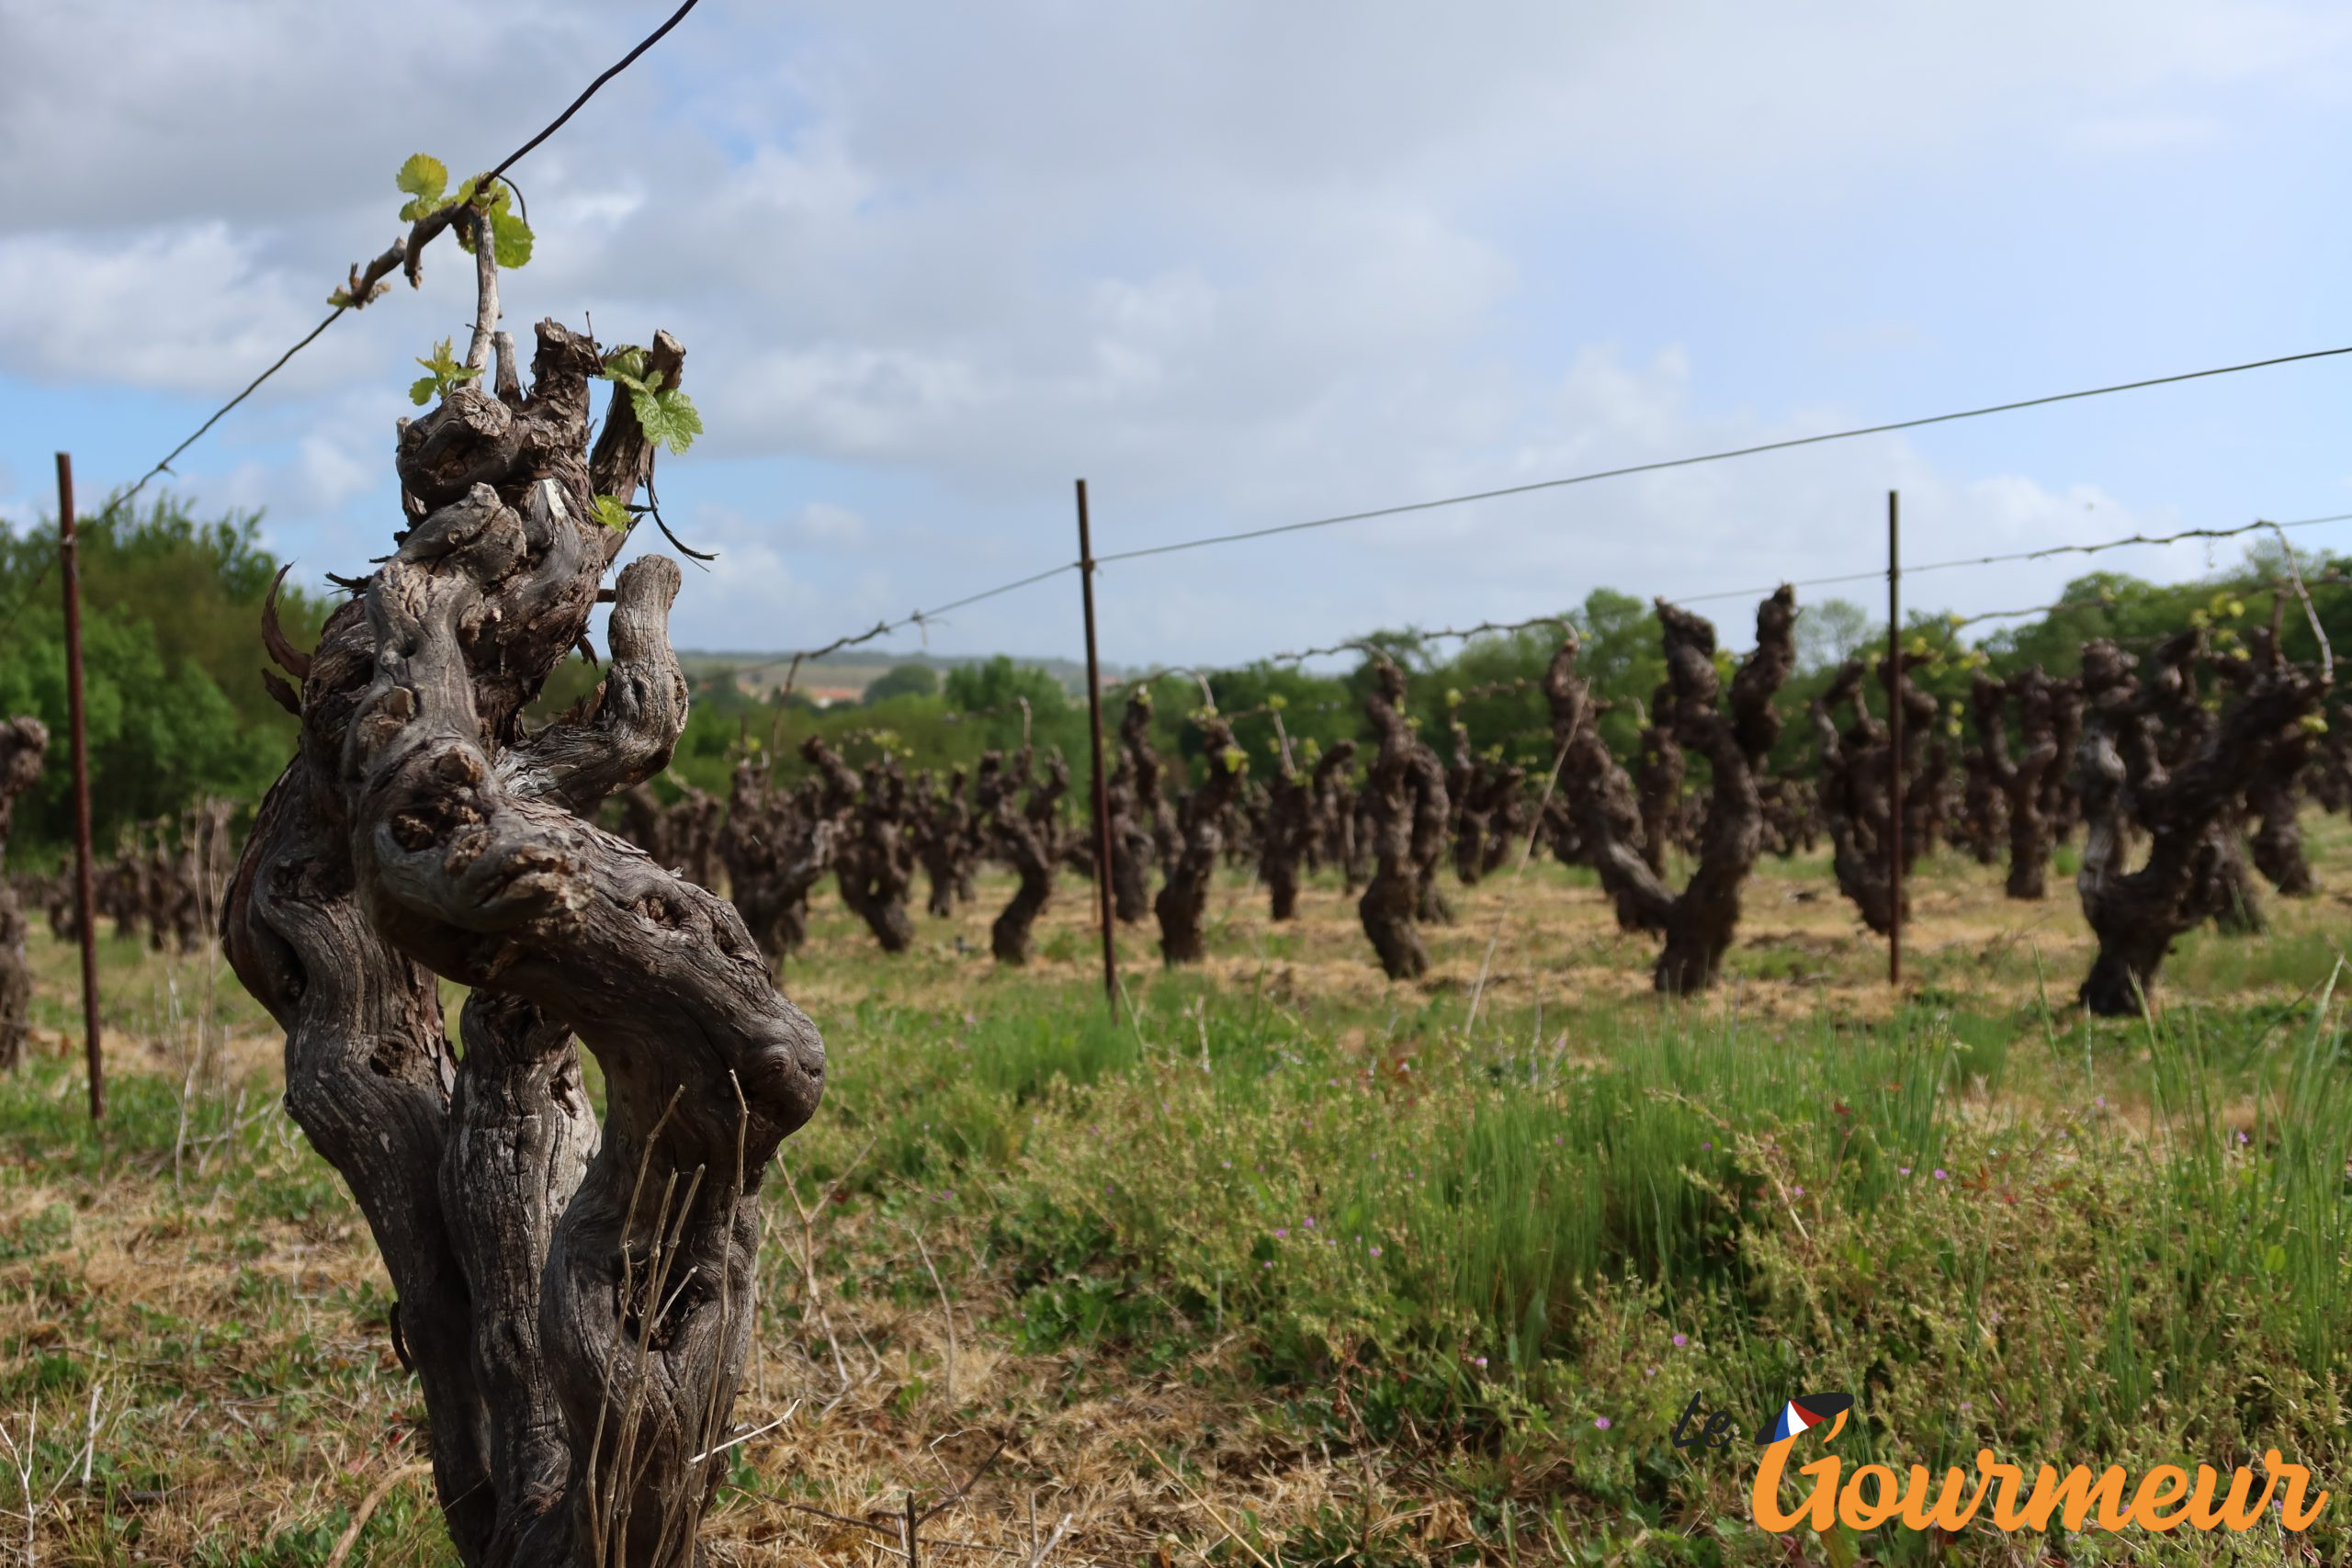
{"points": [[1368, 645], [1662, 465], [2108, 602], [2044, 553], [363, 285], [880, 628], [1484, 629], [1697, 458]]}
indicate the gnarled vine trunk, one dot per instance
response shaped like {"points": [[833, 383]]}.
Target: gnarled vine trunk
{"points": [[2040, 703], [1658, 771], [576, 1306], [23, 743], [2185, 809], [1855, 797], [1406, 812], [1024, 839], [775, 852], [1183, 904], [1698, 923], [1141, 822], [873, 857], [1287, 838], [943, 839], [1334, 842], [1987, 770]]}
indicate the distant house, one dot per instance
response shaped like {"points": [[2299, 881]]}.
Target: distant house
{"points": [[827, 696]]}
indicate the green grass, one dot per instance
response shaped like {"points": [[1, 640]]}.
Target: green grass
{"points": [[1357, 1225], [2091, 1239]]}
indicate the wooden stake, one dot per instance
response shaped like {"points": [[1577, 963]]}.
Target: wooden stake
{"points": [[84, 895], [1102, 775]]}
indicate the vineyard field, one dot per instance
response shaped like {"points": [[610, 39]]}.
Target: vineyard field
{"points": [[1290, 1255]]}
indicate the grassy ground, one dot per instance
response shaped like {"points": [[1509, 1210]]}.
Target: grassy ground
{"points": [[1287, 1265]]}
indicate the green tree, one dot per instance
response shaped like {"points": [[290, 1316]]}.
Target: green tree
{"points": [[902, 680], [999, 683], [171, 640], [1830, 633]]}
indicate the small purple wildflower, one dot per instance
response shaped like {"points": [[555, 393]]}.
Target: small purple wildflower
{"points": [[1279, 1234], [1601, 1422], [1800, 1191], [1375, 1252], [1708, 1143], [1903, 1169], [1680, 1340], [1479, 1362], [1942, 1175]]}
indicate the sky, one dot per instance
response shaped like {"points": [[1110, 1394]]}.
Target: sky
{"points": [[1235, 264]]}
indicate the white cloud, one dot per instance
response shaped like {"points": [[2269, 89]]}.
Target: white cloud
{"points": [[185, 310], [1238, 264]]}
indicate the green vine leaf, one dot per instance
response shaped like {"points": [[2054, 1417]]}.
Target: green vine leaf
{"points": [[612, 514], [510, 240], [668, 416], [665, 414], [510, 237], [424, 178], [441, 373]]}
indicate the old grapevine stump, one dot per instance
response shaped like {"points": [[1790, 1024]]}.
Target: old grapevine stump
{"points": [[576, 1301], [2183, 808], [1183, 904], [23, 744], [1409, 813], [1733, 737]]}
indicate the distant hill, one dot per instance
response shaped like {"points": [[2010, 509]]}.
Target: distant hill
{"points": [[845, 676]]}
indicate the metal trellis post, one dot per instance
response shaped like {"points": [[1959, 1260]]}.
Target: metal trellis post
{"points": [[1103, 862], [1894, 737], [84, 895]]}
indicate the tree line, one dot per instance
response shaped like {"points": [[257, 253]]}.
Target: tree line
{"points": [[177, 712]]}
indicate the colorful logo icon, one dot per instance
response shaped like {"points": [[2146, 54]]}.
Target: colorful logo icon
{"points": [[1803, 1414]]}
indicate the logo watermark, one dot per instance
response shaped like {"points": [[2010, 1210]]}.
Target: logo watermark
{"points": [[2168, 1498]]}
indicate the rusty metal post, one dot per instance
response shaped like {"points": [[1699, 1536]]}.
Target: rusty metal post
{"points": [[1895, 737], [85, 900], [1102, 860]]}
